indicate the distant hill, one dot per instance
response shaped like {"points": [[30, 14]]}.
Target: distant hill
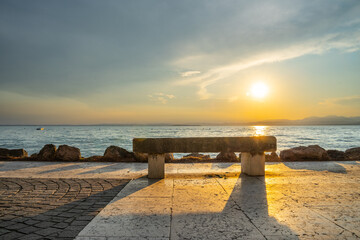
{"points": [[328, 120]]}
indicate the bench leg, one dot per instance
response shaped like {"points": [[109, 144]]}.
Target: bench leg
{"points": [[156, 166], [253, 165]]}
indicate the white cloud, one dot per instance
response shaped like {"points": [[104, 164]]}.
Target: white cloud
{"points": [[189, 73], [161, 97]]}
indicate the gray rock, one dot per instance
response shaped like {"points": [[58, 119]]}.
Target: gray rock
{"points": [[13, 153], [67, 153], [196, 157], [273, 157], [169, 157], [353, 153], [309, 153], [47, 153], [118, 153], [227, 157], [336, 155], [140, 157], [143, 157]]}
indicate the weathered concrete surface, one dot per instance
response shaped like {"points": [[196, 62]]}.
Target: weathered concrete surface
{"points": [[205, 144], [156, 166], [301, 200], [253, 164]]}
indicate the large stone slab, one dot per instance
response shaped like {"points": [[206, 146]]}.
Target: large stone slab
{"points": [[205, 144], [141, 211]]}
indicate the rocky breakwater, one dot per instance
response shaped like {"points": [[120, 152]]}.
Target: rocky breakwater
{"points": [[63, 153], [317, 153], [353, 153], [117, 154], [227, 157], [12, 153], [309, 153]]}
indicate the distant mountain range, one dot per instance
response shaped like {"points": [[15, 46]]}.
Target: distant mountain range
{"points": [[328, 120]]}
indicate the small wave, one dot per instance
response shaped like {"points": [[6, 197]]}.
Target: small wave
{"points": [[307, 139]]}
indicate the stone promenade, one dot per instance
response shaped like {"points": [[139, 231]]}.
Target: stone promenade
{"points": [[305, 200], [42, 208]]}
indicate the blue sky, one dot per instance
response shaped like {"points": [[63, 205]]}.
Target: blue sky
{"points": [[83, 62]]}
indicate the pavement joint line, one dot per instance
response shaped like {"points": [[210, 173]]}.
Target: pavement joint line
{"points": [[319, 214], [172, 207]]}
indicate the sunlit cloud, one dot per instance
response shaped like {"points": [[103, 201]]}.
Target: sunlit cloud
{"points": [[342, 42], [343, 101], [161, 97], [189, 73]]}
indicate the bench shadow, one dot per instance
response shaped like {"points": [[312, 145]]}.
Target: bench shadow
{"points": [[329, 166], [65, 168], [243, 214], [223, 165], [7, 166], [113, 167], [251, 197]]}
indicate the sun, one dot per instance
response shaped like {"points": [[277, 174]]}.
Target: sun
{"points": [[259, 90]]}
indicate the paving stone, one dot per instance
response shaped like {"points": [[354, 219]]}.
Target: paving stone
{"points": [[16, 226], [3, 231], [68, 234], [28, 230], [87, 218], [11, 235], [61, 225], [31, 236], [47, 231], [44, 224], [79, 223], [31, 222], [34, 212], [74, 228]]}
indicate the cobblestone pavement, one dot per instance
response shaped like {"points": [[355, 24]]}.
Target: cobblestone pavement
{"points": [[40, 208]]}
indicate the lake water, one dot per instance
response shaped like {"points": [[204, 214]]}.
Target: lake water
{"points": [[93, 140]]}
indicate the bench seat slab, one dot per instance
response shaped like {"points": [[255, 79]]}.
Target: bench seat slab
{"points": [[205, 144]]}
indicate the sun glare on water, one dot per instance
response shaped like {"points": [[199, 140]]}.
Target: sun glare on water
{"points": [[259, 90], [259, 130]]}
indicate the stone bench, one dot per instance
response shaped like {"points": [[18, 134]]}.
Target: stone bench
{"points": [[252, 150]]}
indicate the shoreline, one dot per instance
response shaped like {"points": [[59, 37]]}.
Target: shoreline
{"points": [[65, 153]]}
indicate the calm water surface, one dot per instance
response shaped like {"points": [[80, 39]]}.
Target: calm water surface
{"points": [[93, 140]]}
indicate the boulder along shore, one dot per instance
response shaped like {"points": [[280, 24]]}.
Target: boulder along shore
{"points": [[117, 154]]}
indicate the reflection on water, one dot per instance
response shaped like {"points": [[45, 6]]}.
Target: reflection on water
{"points": [[260, 130]]}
